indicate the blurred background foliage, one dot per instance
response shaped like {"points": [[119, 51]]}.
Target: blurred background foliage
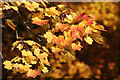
{"points": [[93, 61]]}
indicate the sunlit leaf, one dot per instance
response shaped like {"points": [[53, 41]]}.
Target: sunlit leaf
{"points": [[88, 40], [49, 36], [10, 23], [76, 47], [39, 22], [45, 70], [8, 65], [20, 46]]}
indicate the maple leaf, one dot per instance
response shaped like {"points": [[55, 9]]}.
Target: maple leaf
{"points": [[55, 49], [89, 22], [82, 16], [8, 65], [15, 44], [68, 41], [58, 40], [42, 55], [54, 11], [45, 49], [49, 36], [32, 43], [44, 70], [46, 62], [33, 73], [29, 6], [76, 47], [88, 40], [38, 21], [88, 30], [20, 46], [14, 8], [61, 26], [35, 5], [36, 51], [100, 27], [26, 53]]}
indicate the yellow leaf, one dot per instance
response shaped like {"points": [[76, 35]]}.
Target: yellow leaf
{"points": [[29, 6], [88, 40], [20, 46], [48, 36], [26, 53], [45, 49], [36, 51], [44, 70], [8, 65], [15, 44], [14, 8]]}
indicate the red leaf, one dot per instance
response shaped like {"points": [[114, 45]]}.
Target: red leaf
{"points": [[82, 16], [89, 22]]}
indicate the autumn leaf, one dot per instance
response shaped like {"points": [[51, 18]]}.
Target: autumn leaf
{"points": [[82, 16], [33, 73], [36, 51], [89, 22], [35, 5], [55, 49], [26, 53], [48, 36], [58, 40], [11, 24], [32, 43], [76, 47], [100, 27], [67, 42], [20, 46], [42, 55], [44, 70], [39, 22], [8, 65], [29, 6], [88, 30], [46, 62], [88, 40], [43, 3], [15, 44], [98, 38], [14, 8], [61, 26], [45, 49], [54, 11]]}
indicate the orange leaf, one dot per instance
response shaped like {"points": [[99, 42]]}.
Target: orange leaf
{"points": [[38, 21], [56, 49], [88, 30], [89, 22], [10, 23], [49, 36], [76, 47], [33, 73]]}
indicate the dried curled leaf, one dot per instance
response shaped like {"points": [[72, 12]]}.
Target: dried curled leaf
{"points": [[98, 38]]}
